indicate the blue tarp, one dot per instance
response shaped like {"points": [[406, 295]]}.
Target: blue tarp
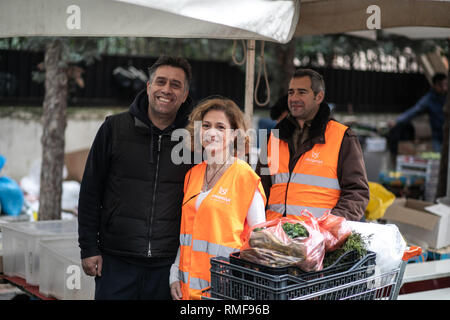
{"points": [[11, 196]]}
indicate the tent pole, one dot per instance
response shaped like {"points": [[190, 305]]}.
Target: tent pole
{"points": [[446, 145], [249, 79]]}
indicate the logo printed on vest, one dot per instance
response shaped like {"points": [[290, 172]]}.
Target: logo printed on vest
{"points": [[314, 158], [221, 195], [222, 191]]}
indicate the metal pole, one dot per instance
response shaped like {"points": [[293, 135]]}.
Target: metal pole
{"points": [[250, 79], [446, 200]]}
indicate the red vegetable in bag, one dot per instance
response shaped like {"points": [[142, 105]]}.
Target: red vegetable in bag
{"points": [[335, 230]]}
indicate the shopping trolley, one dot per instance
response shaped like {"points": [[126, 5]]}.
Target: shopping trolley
{"points": [[345, 280]]}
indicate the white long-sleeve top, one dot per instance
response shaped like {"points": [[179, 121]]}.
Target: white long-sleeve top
{"points": [[256, 214]]}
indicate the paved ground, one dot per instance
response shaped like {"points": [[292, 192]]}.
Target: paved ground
{"points": [[8, 291]]}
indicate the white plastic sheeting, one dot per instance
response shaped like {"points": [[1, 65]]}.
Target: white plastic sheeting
{"points": [[270, 20]]}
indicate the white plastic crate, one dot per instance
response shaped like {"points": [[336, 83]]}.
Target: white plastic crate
{"points": [[21, 245], [61, 275], [427, 168], [375, 144]]}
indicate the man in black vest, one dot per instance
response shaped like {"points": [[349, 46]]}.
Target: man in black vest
{"points": [[130, 199]]}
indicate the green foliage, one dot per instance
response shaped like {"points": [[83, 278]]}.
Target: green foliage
{"points": [[307, 51], [354, 242], [295, 230]]}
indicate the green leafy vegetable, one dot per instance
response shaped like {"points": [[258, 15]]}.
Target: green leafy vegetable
{"points": [[295, 230], [354, 242]]}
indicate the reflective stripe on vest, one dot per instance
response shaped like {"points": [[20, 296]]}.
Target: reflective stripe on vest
{"points": [[296, 210], [185, 239], [212, 248], [308, 179], [195, 283]]}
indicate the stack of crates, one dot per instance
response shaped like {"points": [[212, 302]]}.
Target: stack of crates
{"points": [[417, 167]]}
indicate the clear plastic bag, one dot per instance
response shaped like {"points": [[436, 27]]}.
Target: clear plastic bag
{"points": [[383, 239], [268, 244]]}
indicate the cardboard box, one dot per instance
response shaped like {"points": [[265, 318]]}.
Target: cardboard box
{"points": [[422, 129], [75, 163], [412, 148], [421, 221]]}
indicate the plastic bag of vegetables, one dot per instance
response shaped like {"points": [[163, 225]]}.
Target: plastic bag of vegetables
{"points": [[284, 242], [335, 229]]}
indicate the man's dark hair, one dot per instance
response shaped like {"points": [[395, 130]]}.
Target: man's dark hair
{"points": [[438, 77], [317, 83], [176, 62]]}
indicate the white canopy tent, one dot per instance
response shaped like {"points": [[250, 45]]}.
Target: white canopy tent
{"points": [[251, 20], [266, 20], [220, 19]]}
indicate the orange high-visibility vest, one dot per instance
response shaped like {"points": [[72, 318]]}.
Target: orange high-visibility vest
{"points": [[218, 227], [313, 184]]}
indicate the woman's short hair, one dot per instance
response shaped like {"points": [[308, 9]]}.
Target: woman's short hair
{"points": [[234, 115]]}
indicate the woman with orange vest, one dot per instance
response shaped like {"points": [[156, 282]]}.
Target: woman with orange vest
{"points": [[223, 196]]}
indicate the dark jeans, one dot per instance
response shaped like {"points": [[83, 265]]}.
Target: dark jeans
{"points": [[124, 281]]}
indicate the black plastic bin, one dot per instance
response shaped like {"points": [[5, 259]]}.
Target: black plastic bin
{"points": [[238, 279]]}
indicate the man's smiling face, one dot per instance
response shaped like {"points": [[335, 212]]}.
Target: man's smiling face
{"points": [[303, 103], [167, 91]]}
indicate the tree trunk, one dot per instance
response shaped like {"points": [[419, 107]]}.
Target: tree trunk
{"points": [[54, 126], [285, 60], [442, 183]]}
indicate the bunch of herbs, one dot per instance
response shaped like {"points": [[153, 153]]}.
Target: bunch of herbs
{"points": [[355, 242]]}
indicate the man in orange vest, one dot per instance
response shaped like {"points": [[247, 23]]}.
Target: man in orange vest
{"points": [[313, 161]]}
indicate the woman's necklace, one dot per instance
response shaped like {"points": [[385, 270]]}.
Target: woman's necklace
{"points": [[215, 173]]}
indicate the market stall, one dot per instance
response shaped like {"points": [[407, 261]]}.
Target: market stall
{"points": [[254, 20]]}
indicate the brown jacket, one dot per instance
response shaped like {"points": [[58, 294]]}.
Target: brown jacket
{"points": [[351, 168]]}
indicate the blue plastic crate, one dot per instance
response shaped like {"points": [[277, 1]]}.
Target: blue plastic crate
{"points": [[420, 258], [440, 254]]}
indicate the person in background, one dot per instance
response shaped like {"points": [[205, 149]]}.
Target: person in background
{"points": [[129, 208], [277, 112], [223, 197], [280, 109], [431, 103], [316, 163]]}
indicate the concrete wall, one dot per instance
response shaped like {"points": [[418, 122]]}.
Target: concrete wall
{"points": [[21, 132]]}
